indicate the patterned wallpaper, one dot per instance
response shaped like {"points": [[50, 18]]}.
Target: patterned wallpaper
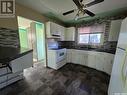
{"points": [[9, 38]]}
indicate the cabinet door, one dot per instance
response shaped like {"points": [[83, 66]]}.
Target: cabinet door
{"points": [[68, 58], [62, 33], [70, 34], [100, 62], [2, 85], [114, 30], [48, 28], [108, 63], [53, 28], [22, 63], [91, 60], [85, 59], [3, 79], [75, 57], [81, 59]]}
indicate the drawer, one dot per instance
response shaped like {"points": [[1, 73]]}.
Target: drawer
{"points": [[19, 77], [13, 75], [2, 85], [3, 71], [3, 78]]}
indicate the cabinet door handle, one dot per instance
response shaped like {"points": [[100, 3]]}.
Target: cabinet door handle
{"points": [[122, 71]]}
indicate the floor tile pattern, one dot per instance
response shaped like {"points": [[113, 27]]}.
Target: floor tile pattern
{"points": [[71, 79]]}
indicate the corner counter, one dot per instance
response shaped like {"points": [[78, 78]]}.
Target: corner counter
{"points": [[8, 54], [12, 63], [101, 61]]}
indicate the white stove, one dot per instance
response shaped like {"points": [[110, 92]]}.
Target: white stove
{"points": [[56, 58]]}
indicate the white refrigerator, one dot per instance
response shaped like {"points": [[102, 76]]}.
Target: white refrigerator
{"points": [[118, 81]]}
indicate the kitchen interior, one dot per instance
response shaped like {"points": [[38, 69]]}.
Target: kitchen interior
{"points": [[78, 48]]}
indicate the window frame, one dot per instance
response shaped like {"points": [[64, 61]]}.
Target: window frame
{"points": [[89, 43]]}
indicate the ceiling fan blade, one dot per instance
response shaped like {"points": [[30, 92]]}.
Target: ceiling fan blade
{"points": [[77, 3], [89, 13], [66, 13], [93, 3], [81, 0]]}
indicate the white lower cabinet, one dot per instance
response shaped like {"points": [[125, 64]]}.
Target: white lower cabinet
{"points": [[85, 59], [74, 56], [98, 60], [82, 59], [22, 63], [77, 57], [68, 57], [91, 60], [108, 63]]}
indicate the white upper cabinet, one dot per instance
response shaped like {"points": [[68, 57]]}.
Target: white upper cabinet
{"points": [[54, 30], [70, 34], [62, 33], [114, 30]]}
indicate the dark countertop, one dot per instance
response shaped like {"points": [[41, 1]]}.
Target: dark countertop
{"points": [[8, 54], [98, 50]]}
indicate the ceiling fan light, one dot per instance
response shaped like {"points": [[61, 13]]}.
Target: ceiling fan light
{"points": [[76, 17]]}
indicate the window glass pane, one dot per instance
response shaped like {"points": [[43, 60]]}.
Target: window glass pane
{"points": [[84, 38], [95, 38]]}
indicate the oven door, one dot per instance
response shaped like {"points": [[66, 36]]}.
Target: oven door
{"points": [[61, 55]]}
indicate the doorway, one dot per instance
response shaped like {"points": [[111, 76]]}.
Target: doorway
{"points": [[32, 36]]}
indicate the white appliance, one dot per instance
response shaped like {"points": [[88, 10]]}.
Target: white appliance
{"points": [[118, 81], [56, 58]]}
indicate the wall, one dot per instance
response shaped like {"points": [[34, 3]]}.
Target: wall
{"points": [[9, 38], [24, 12], [9, 26]]}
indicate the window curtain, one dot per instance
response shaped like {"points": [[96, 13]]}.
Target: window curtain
{"points": [[100, 28], [93, 28]]}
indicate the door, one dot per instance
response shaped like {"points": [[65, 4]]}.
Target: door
{"points": [[116, 81], [23, 38], [40, 36]]}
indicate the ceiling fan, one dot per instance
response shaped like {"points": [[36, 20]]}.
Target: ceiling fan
{"points": [[81, 8]]}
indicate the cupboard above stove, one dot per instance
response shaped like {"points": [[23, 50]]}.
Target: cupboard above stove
{"points": [[54, 30], [57, 31]]}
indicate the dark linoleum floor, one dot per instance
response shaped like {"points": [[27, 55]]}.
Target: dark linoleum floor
{"points": [[69, 80]]}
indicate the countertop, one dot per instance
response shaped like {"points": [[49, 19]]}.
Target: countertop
{"points": [[97, 50], [8, 54]]}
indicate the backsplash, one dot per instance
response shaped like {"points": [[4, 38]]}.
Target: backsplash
{"points": [[107, 47], [9, 38], [67, 44]]}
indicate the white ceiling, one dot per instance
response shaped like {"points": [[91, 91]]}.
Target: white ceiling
{"points": [[58, 7]]}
